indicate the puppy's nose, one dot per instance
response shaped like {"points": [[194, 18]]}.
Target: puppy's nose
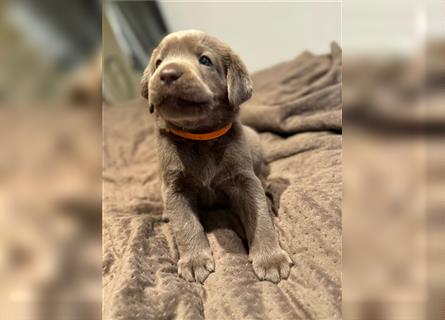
{"points": [[170, 75]]}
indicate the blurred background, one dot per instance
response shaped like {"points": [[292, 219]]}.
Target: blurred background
{"points": [[394, 159], [51, 159]]}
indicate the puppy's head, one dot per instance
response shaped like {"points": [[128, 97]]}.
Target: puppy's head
{"points": [[193, 77]]}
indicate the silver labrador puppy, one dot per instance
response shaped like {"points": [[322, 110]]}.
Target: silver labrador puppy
{"points": [[195, 84]]}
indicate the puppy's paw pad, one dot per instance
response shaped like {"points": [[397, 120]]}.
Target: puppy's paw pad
{"points": [[272, 266], [196, 267]]}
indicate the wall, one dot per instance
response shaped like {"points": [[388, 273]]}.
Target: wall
{"points": [[262, 33]]}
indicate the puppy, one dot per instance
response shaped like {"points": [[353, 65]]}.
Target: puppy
{"points": [[195, 84]]}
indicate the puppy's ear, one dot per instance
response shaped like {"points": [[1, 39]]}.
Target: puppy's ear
{"points": [[239, 84], [144, 82], [146, 79]]}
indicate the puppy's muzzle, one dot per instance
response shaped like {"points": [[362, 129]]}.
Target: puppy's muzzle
{"points": [[177, 91], [170, 74]]}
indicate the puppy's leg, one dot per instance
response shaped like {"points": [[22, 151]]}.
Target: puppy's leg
{"points": [[196, 260], [269, 261]]}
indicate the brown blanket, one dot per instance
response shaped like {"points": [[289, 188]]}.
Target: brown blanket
{"points": [[297, 108]]}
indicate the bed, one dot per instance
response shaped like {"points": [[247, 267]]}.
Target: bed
{"points": [[297, 109]]}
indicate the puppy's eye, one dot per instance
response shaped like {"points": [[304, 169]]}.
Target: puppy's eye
{"points": [[205, 61], [158, 63]]}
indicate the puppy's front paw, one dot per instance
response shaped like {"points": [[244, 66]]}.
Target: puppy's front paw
{"points": [[271, 265], [196, 266]]}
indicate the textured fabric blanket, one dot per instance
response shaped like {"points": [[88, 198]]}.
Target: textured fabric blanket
{"points": [[297, 109]]}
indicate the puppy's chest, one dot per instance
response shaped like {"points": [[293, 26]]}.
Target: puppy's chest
{"points": [[203, 164]]}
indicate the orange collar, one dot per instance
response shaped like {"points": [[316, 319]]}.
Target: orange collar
{"points": [[201, 136]]}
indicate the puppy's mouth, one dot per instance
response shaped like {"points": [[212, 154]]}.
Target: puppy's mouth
{"points": [[182, 98], [173, 107], [184, 103]]}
